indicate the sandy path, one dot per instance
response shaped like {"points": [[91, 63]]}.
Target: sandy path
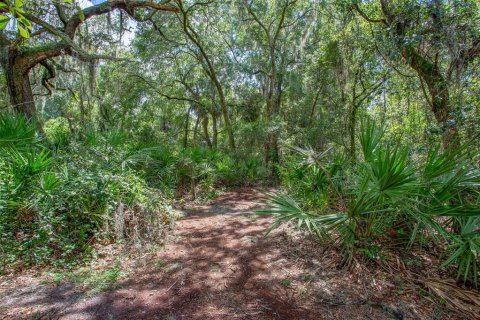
{"points": [[219, 267]]}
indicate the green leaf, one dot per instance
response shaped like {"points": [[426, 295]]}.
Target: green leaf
{"points": [[81, 15], [4, 21], [25, 22], [19, 3], [23, 32], [3, 5]]}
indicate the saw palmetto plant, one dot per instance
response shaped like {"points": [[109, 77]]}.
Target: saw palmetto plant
{"points": [[386, 193]]}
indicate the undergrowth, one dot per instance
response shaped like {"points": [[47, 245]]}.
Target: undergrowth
{"points": [[92, 281], [390, 198], [63, 191]]}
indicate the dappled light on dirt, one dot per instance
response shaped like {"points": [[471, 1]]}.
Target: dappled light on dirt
{"points": [[220, 266]]}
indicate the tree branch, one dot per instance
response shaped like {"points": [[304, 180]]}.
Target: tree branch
{"points": [[108, 6], [49, 75], [367, 18], [66, 45], [255, 17], [61, 14], [282, 19], [169, 97], [465, 57]]}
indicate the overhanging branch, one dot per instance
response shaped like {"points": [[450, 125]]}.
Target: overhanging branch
{"points": [[67, 45], [367, 18]]}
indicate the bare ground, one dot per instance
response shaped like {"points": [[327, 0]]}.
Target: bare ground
{"points": [[220, 266]]}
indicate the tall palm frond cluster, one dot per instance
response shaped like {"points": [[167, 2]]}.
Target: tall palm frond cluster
{"points": [[387, 197]]}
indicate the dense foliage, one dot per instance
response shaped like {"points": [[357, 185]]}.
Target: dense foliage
{"points": [[365, 113], [59, 195], [62, 193], [391, 197]]}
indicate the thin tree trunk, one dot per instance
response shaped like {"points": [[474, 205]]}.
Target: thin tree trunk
{"points": [[214, 131], [226, 118], [273, 109], [205, 129], [209, 69], [352, 131], [195, 130], [82, 109], [314, 105], [187, 125]]}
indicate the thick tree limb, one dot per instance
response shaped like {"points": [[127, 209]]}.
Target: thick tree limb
{"points": [[109, 6], [66, 45], [64, 37], [367, 18]]}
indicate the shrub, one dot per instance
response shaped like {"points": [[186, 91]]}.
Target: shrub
{"points": [[240, 169], [196, 170], [387, 195], [56, 203], [16, 132], [313, 185], [57, 131]]}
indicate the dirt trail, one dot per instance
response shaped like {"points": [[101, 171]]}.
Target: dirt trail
{"points": [[219, 267]]}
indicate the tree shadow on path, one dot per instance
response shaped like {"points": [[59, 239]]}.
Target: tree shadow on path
{"points": [[219, 267]]}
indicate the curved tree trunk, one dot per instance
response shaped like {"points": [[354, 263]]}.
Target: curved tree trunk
{"points": [[429, 72], [209, 69], [18, 82], [427, 69], [17, 58]]}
